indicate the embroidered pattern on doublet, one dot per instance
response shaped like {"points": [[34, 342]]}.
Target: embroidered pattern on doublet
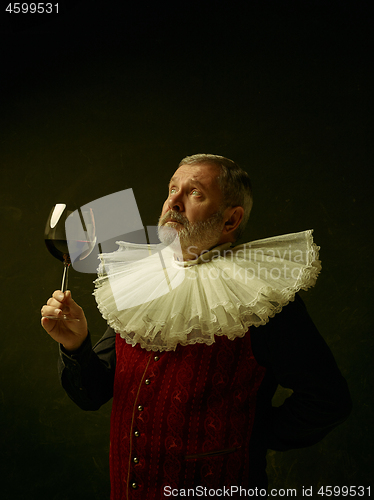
{"points": [[185, 416]]}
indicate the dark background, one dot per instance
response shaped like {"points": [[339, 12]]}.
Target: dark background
{"points": [[104, 97]]}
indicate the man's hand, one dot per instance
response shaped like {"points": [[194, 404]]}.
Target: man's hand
{"points": [[70, 333]]}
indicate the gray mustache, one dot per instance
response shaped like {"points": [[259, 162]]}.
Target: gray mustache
{"points": [[177, 217]]}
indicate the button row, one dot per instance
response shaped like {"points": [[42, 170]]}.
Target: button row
{"points": [[134, 485]]}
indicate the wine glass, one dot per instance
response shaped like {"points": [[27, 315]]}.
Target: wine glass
{"points": [[77, 246]]}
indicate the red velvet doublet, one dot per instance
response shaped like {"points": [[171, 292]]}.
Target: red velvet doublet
{"points": [[182, 418]]}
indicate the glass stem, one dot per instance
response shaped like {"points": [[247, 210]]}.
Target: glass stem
{"points": [[64, 284]]}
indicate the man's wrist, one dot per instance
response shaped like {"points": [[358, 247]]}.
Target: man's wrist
{"points": [[75, 350]]}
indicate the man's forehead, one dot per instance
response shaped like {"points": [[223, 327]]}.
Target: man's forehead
{"points": [[201, 174]]}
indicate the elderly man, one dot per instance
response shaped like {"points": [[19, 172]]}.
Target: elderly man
{"points": [[192, 373]]}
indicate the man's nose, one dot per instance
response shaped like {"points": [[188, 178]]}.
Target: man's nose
{"points": [[175, 203]]}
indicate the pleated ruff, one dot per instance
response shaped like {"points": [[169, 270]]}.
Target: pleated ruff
{"points": [[153, 300]]}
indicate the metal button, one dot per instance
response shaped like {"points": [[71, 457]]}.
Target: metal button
{"points": [[137, 434], [134, 485], [135, 460], [147, 381], [157, 358], [140, 408]]}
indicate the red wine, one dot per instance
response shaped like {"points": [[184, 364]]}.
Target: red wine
{"points": [[79, 249], [58, 248]]}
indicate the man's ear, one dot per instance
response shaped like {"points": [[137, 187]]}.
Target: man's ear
{"points": [[233, 218]]}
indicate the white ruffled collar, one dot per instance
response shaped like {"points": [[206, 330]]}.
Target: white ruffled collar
{"points": [[206, 256], [151, 299]]}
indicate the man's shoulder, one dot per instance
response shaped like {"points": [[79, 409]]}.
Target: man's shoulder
{"points": [[291, 326]]}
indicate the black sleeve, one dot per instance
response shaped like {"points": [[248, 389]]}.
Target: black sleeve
{"points": [[298, 358], [87, 375]]}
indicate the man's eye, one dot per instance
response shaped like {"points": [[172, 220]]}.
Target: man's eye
{"points": [[173, 190], [195, 192]]}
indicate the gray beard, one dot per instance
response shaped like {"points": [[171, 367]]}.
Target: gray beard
{"points": [[193, 237]]}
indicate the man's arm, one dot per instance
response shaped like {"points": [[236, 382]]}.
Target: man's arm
{"points": [[87, 375], [299, 359]]}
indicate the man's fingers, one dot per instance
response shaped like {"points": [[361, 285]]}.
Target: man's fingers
{"points": [[68, 332], [48, 324], [58, 295], [60, 301], [54, 303], [50, 311], [71, 305], [58, 298]]}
